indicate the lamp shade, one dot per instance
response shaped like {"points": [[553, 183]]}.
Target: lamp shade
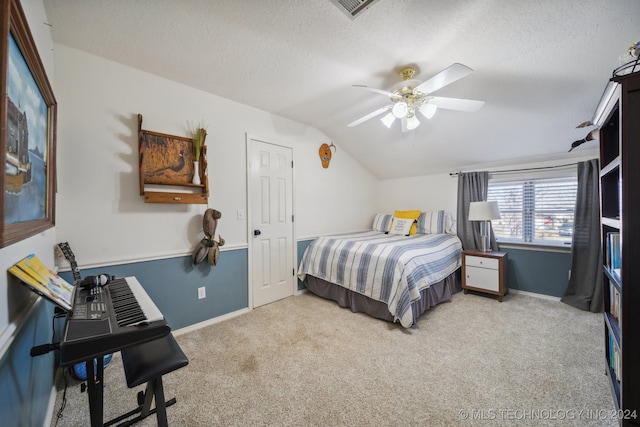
{"points": [[400, 110], [428, 110], [483, 211], [388, 120], [412, 122]]}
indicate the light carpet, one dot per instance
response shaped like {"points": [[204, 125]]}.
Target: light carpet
{"points": [[304, 361]]}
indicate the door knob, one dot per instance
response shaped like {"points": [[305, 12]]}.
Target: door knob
{"points": [[256, 232]]}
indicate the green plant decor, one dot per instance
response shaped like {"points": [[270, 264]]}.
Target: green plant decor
{"points": [[198, 133]]}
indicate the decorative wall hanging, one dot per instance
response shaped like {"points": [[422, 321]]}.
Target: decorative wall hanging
{"points": [[170, 160], [207, 247], [28, 144], [325, 154]]}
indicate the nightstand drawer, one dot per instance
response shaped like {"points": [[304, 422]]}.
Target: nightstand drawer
{"points": [[482, 278], [477, 261]]}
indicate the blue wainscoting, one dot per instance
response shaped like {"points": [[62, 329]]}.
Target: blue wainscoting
{"points": [[302, 245], [26, 382], [173, 284], [540, 272]]}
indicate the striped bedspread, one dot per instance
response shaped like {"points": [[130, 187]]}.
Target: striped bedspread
{"points": [[388, 268]]}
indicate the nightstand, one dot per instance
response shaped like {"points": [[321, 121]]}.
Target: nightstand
{"points": [[485, 272]]}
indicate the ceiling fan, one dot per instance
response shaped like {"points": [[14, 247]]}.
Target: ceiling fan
{"points": [[411, 95]]}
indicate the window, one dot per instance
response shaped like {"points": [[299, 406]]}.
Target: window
{"points": [[537, 210]]}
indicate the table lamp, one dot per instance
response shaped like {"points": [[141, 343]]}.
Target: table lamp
{"points": [[485, 212]]}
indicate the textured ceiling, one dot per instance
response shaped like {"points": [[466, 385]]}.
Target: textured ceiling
{"points": [[540, 66]]}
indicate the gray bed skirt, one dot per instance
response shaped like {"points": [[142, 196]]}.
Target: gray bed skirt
{"points": [[358, 303]]}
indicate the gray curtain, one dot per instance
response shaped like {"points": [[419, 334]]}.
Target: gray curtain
{"points": [[472, 187], [585, 284]]}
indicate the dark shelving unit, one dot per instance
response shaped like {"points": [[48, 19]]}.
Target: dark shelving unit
{"points": [[620, 210]]}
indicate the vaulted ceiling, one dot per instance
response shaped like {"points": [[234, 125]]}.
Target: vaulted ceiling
{"points": [[540, 66]]}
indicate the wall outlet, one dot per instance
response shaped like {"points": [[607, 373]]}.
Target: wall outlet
{"points": [[240, 214], [202, 292]]}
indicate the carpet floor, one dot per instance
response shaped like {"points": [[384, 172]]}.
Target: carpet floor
{"points": [[304, 361]]}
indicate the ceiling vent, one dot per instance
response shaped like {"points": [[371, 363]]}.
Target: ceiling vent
{"points": [[353, 8]]}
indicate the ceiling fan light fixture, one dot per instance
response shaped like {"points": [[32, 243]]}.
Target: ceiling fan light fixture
{"points": [[388, 120], [411, 95], [428, 110], [400, 110]]}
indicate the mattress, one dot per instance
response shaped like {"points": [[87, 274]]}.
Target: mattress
{"points": [[392, 269]]}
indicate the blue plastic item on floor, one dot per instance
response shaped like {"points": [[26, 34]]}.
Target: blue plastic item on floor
{"points": [[79, 370]]}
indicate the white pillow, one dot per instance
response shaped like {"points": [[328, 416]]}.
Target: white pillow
{"points": [[452, 227], [401, 226], [436, 222], [382, 222]]}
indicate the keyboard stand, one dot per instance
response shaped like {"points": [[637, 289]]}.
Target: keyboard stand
{"points": [[95, 391]]}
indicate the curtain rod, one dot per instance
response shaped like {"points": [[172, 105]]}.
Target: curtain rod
{"points": [[523, 169]]}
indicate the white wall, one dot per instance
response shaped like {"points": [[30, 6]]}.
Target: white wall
{"points": [[12, 295], [426, 193], [100, 211]]}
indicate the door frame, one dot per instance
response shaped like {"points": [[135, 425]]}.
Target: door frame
{"points": [[294, 252]]}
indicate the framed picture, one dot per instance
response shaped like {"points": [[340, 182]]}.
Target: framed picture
{"points": [[27, 132]]}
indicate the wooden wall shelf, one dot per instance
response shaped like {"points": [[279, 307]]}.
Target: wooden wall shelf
{"points": [[169, 160]]}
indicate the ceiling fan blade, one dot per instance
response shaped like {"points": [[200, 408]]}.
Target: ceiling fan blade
{"points": [[380, 91], [447, 76], [369, 116], [458, 104]]}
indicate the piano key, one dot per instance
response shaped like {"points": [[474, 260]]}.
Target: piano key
{"points": [[146, 303]]}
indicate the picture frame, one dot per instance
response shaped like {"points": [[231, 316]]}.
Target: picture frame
{"points": [[27, 132]]}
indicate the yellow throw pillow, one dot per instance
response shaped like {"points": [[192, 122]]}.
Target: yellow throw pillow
{"points": [[410, 215]]}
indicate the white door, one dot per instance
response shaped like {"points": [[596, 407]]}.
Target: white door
{"points": [[271, 219]]}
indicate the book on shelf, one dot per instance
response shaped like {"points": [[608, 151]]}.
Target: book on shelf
{"points": [[613, 253], [40, 279], [614, 357], [614, 302]]}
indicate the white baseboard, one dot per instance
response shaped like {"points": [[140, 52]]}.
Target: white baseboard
{"points": [[533, 294], [210, 322], [220, 318], [51, 407]]}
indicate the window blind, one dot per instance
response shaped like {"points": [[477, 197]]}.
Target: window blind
{"points": [[534, 210]]}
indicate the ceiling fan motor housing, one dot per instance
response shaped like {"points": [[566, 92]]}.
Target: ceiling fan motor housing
{"points": [[407, 73]]}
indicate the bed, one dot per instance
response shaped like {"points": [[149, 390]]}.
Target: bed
{"points": [[388, 276]]}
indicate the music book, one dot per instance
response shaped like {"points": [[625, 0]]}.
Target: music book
{"points": [[40, 279]]}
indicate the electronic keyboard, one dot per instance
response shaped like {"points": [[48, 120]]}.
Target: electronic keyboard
{"points": [[106, 319]]}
